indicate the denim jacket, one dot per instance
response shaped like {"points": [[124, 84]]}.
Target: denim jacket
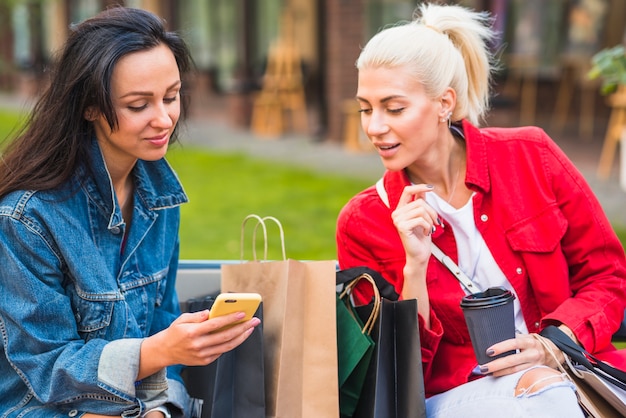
{"points": [[76, 303]]}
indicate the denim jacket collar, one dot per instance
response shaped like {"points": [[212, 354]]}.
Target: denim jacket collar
{"points": [[156, 185]]}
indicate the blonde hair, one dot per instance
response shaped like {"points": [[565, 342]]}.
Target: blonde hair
{"points": [[443, 46]]}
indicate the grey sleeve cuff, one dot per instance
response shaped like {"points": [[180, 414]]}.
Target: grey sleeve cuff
{"points": [[118, 369]]}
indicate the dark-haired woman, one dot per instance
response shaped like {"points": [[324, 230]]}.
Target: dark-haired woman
{"points": [[89, 217]]}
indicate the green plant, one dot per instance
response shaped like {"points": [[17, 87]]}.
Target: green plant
{"points": [[609, 65]]}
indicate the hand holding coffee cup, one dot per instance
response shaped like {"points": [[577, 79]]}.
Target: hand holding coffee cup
{"points": [[490, 319]]}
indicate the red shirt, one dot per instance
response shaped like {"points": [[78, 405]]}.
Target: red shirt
{"points": [[544, 227]]}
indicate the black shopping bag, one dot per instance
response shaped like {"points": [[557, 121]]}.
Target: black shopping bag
{"points": [[233, 386], [394, 384]]}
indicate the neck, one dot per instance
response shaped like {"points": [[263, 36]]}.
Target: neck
{"points": [[124, 191], [444, 168]]}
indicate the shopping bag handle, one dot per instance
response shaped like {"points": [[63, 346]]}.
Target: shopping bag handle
{"points": [[581, 356], [345, 297], [385, 288], [261, 222]]}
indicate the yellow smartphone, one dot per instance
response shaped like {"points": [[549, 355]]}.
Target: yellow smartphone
{"points": [[226, 303]]}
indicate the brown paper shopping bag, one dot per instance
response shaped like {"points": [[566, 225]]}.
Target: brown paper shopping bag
{"points": [[299, 328]]}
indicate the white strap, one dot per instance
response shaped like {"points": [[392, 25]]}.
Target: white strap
{"points": [[436, 251], [454, 269]]}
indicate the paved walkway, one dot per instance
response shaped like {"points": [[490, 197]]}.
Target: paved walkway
{"points": [[213, 130]]}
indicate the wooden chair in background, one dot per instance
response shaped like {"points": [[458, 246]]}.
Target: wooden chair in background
{"points": [[574, 69], [281, 102], [521, 82]]}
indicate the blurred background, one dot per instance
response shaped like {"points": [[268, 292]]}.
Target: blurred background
{"points": [[307, 49], [276, 81]]}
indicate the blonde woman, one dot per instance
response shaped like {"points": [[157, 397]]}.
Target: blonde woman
{"points": [[505, 204]]}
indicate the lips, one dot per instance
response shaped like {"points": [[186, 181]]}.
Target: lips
{"points": [[387, 147], [387, 151], [159, 140]]}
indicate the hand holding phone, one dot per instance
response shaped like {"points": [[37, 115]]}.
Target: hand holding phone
{"points": [[227, 303]]}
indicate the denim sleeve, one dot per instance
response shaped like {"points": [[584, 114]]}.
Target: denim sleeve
{"points": [[43, 350], [40, 335]]}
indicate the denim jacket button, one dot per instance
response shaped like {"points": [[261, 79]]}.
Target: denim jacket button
{"points": [[73, 413], [115, 230]]}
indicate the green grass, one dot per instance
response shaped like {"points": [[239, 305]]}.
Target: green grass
{"points": [[224, 188], [9, 121]]}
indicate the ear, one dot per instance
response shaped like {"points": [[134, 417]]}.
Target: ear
{"points": [[448, 102], [91, 114]]}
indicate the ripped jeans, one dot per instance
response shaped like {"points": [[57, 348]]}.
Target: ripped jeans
{"points": [[494, 397]]}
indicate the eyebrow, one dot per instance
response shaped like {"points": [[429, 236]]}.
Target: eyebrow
{"points": [[149, 93], [383, 100]]}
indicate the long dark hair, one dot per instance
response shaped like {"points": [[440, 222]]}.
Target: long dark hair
{"points": [[56, 135]]}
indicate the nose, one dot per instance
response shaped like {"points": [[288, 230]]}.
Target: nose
{"points": [[374, 124], [163, 116]]}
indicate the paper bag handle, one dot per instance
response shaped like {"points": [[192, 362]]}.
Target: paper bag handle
{"points": [[261, 222], [367, 328]]}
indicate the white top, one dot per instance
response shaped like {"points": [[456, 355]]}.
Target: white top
{"points": [[475, 259]]}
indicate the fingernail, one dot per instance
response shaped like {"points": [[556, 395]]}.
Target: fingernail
{"points": [[433, 229], [484, 369], [241, 315], [490, 352], [430, 186], [439, 221]]}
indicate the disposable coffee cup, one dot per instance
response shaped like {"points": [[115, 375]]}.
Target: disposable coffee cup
{"points": [[490, 319]]}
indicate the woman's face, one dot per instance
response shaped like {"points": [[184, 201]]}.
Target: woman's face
{"points": [[145, 89], [401, 121]]}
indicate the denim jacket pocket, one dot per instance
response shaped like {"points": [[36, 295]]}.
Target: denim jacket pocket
{"points": [[93, 314], [539, 233], [139, 281]]}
